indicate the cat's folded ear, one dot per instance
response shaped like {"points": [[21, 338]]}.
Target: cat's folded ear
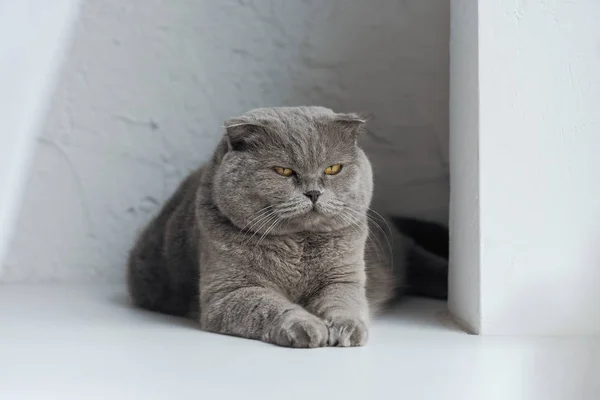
{"points": [[351, 124], [242, 134]]}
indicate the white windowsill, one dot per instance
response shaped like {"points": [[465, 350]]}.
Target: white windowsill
{"points": [[85, 342]]}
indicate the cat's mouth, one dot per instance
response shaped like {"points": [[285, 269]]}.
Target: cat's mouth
{"points": [[305, 211], [316, 209], [309, 212]]}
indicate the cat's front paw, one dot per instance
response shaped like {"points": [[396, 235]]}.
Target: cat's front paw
{"points": [[301, 330], [347, 332]]}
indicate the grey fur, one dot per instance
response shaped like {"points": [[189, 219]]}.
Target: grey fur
{"points": [[241, 249]]}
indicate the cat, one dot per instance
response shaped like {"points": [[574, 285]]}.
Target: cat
{"points": [[271, 239]]}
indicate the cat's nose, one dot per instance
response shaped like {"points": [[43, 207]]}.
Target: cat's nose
{"points": [[313, 195]]}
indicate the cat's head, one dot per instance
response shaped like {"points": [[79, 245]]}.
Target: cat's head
{"points": [[293, 169]]}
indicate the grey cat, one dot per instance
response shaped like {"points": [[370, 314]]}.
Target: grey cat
{"points": [[270, 240]]}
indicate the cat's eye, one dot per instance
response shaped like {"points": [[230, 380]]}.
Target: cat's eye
{"points": [[283, 171], [333, 169]]}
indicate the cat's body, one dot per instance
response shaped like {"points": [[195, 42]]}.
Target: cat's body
{"points": [[168, 257], [267, 241]]}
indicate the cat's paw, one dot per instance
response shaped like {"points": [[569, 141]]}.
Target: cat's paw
{"points": [[301, 330], [347, 332]]}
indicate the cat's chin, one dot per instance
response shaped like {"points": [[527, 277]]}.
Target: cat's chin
{"points": [[312, 221]]}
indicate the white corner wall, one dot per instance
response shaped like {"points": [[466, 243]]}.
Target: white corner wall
{"points": [[539, 171], [29, 60], [148, 83], [464, 275]]}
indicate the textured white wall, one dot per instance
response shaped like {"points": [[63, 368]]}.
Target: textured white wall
{"points": [[527, 252], [28, 68], [539, 72], [148, 84]]}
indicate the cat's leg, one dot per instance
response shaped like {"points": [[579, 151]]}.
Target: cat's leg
{"points": [[263, 314], [344, 307]]}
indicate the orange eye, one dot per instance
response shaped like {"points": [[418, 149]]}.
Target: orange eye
{"points": [[283, 171], [333, 169]]}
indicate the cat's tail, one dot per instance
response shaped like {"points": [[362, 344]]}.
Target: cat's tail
{"points": [[426, 269]]}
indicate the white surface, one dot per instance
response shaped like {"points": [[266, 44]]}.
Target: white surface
{"points": [[539, 139], [86, 343], [148, 83], [464, 280], [28, 62]]}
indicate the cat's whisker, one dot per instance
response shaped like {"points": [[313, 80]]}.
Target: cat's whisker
{"points": [[387, 237], [273, 216], [268, 230], [347, 219], [255, 221], [343, 218], [377, 244], [382, 218], [356, 222], [292, 211], [289, 206], [352, 222], [260, 213], [258, 224]]}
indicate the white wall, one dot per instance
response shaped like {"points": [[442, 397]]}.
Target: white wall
{"points": [[148, 84], [464, 278], [29, 59], [539, 170]]}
